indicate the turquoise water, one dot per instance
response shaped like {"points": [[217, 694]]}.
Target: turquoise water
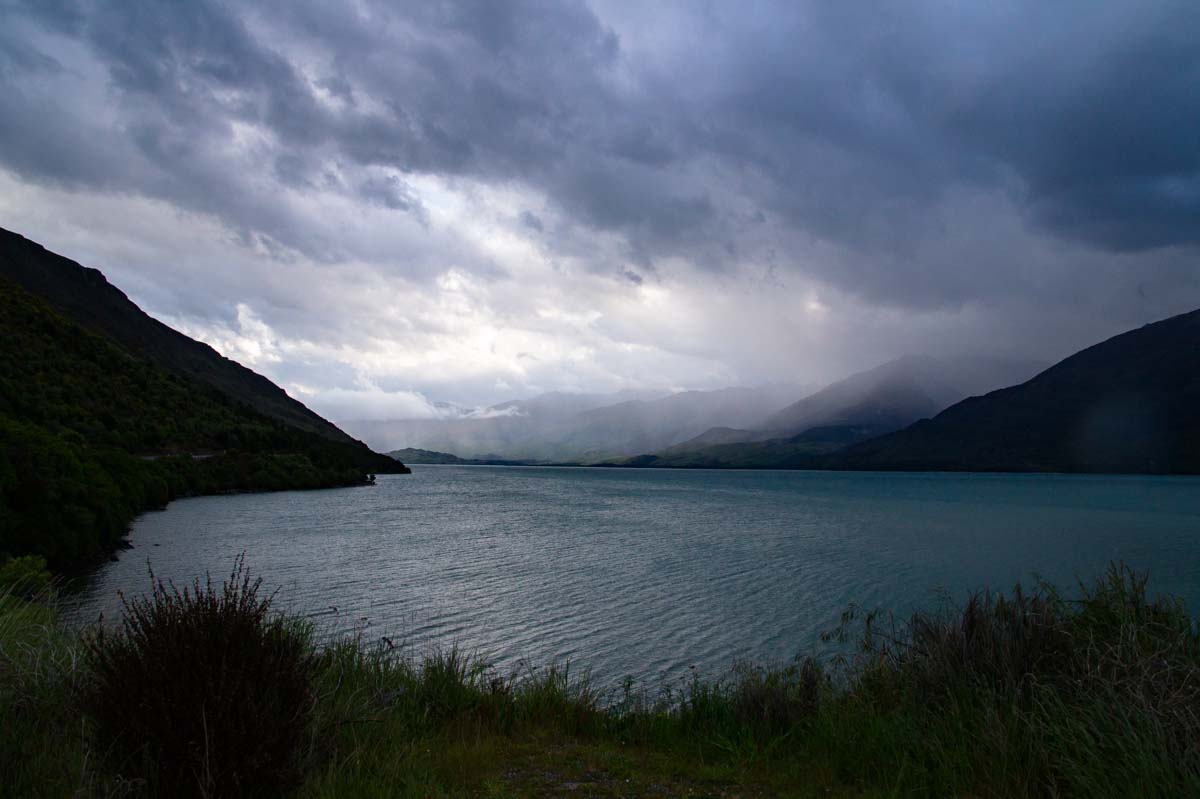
{"points": [[649, 572]]}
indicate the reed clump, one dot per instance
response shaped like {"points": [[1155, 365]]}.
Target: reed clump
{"points": [[202, 691]]}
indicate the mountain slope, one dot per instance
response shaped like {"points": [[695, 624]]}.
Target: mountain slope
{"points": [[899, 392], [1128, 404], [865, 405], [806, 450], [641, 425], [896, 393], [425, 456], [92, 434], [714, 437], [411, 455], [85, 296]]}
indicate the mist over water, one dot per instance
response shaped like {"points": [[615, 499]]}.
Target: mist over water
{"points": [[650, 572]]}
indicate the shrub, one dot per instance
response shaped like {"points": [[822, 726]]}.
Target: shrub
{"points": [[203, 692]]}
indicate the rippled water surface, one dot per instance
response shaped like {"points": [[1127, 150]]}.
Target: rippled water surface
{"points": [[648, 572]]}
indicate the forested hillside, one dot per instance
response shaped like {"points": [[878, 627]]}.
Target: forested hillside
{"points": [[85, 296], [91, 435]]}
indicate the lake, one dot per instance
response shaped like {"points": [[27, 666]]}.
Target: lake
{"points": [[650, 572]]}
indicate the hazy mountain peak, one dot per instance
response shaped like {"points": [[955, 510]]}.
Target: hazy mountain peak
{"points": [[897, 393], [1131, 404]]}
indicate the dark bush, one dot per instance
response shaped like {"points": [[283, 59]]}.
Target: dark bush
{"points": [[203, 692]]}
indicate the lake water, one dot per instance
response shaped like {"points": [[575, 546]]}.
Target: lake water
{"points": [[649, 572]]}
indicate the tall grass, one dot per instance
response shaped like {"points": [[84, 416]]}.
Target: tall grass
{"points": [[1026, 694], [1030, 694], [44, 748]]}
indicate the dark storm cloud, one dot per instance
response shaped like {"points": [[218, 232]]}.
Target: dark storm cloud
{"points": [[862, 116], [17, 57], [1103, 124], [715, 133]]}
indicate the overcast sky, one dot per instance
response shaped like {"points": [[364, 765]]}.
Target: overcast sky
{"points": [[381, 204]]}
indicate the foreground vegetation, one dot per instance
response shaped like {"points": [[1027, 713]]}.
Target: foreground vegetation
{"points": [[209, 692]]}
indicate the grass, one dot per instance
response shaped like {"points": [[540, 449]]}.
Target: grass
{"points": [[44, 743], [1029, 694]]}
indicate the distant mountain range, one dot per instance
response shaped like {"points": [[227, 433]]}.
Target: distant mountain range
{"points": [[1129, 404], [429, 457], [105, 412], [898, 393], [862, 406], [776, 426], [558, 427]]}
